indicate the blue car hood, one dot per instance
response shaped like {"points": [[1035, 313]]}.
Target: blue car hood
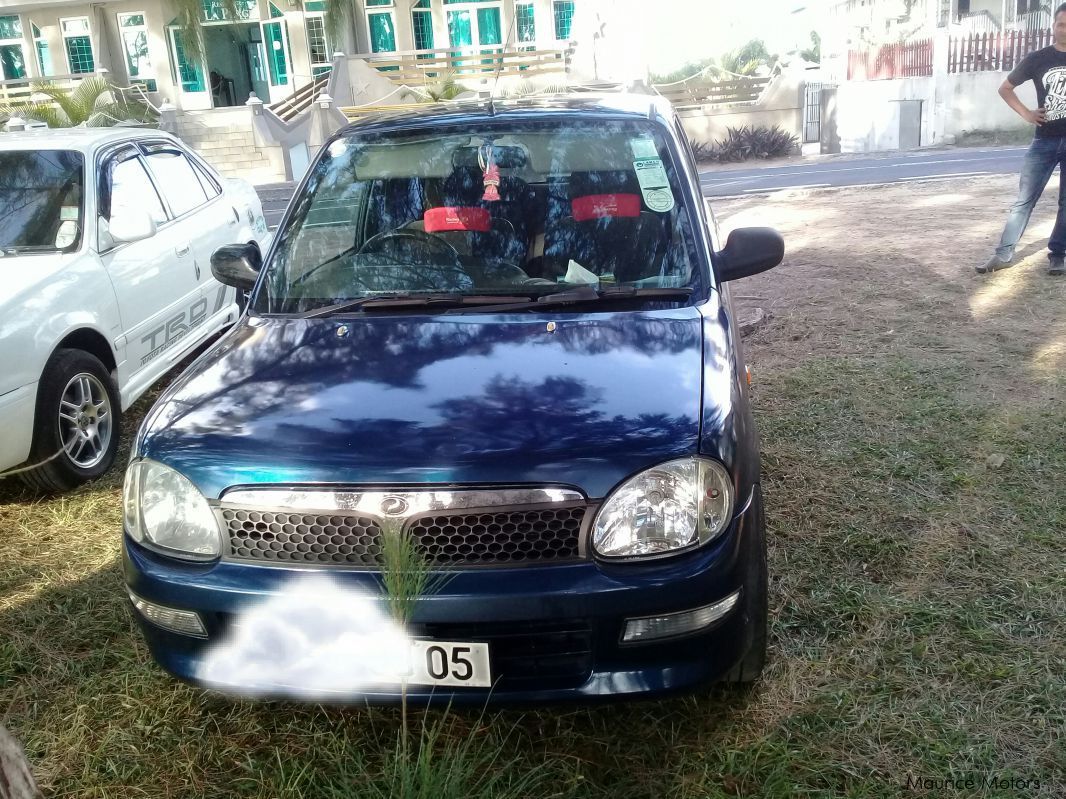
{"points": [[407, 400]]}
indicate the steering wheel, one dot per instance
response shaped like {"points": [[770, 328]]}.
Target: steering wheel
{"points": [[373, 244]]}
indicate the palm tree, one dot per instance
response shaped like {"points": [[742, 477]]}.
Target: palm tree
{"points": [[93, 103]]}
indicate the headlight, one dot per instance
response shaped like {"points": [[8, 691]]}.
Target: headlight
{"points": [[674, 506], [163, 510]]}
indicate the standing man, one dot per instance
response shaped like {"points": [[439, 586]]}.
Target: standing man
{"points": [[1047, 69]]}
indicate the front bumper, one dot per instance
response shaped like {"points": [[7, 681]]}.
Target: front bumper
{"points": [[554, 632]]}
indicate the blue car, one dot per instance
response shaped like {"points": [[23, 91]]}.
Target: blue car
{"points": [[502, 330]]}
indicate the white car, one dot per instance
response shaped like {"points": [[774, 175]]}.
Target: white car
{"points": [[106, 237]]}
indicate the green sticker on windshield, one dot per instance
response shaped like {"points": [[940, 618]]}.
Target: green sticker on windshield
{"points": [[68, 213]]}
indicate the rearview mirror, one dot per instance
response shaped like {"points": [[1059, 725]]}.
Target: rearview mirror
{"points": [[130, 224], [237, 265], [748, 251]]}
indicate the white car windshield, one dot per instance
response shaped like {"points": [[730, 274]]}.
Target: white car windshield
{"points": [[41, 198], [507, 207]]}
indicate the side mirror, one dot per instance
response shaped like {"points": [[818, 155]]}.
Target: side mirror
{"points": [[130, 224], [237, 265], [748, 251]]}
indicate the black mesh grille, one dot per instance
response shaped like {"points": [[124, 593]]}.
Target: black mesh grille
{"points": [[503, 537], [499, 537], [526, 655], [302, 537]]}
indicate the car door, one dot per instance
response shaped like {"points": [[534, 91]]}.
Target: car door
{"points": [[201, 212], [154, 278]]}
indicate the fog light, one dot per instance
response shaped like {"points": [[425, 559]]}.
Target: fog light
{"points": [[669, 625], [185, 622]]}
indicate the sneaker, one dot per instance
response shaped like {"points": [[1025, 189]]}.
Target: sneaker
{"points": [[994, 263], [1056, 265]]}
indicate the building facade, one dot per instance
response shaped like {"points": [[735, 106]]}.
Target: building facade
{"points": [[273, 48]]}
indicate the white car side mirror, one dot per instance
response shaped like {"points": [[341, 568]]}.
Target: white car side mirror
{"points": [[131, 224]]}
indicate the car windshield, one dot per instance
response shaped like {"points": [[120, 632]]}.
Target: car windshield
{"points": [[503, 209], [40, 200]]}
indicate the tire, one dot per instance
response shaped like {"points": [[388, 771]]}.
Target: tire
{"points": [[78, 404], [755, 601]]}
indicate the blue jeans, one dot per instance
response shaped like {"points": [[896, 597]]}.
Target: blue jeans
{"points": [[1040, 162]]}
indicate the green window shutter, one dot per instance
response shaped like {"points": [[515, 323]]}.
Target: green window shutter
{"points": [[275, 47], [421, 4], [44, 58], [192, 77], [527, 29], [12, 61], [459, 34], [316, 40], [131, 20], [422, 23], [564, 18], [10, 27], [379, 2], [275, 12], [80, 55], [488, 25], [315, 5], [382, 35]]}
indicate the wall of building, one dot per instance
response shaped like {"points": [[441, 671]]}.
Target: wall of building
{"points": [[781, 105], [868, 112]]}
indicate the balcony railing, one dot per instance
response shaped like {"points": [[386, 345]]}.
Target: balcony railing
{"points": [[14, 93], [415, 67]]}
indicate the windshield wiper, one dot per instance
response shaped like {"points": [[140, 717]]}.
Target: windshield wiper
{"points": [[409, 301], [584, 294]]}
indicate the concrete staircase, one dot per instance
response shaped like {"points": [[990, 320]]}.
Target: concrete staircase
{"points": [[232, 151]]}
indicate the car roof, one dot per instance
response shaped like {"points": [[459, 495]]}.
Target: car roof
{"points": [[81, 139], [620, 105]]}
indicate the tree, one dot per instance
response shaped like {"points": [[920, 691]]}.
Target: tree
{"points": [[747, 59], [813, 54], [93, 103]]}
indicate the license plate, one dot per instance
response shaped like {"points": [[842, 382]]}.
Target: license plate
{"points": [[456, 664]]}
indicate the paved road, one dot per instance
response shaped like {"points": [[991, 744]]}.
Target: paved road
{"points": [[863, 170], [819, 173]]}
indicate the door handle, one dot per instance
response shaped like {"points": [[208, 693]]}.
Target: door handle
{"points": [[196, 266], [182, 251]]}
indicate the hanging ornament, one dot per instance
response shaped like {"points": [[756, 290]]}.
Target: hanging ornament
{"points": [[491, 173]]}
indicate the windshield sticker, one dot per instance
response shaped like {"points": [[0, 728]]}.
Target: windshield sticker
{"points": [[654, 184], [643, 147], [68, 232], [69, 212], [576, 273]]}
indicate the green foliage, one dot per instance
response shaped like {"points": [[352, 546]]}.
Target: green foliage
{"points": [[813, 54], [445, 89], [747, 59], [451, 761], [190, 23], [94, 103], [702, 150], [742, 144], [687, 71]]}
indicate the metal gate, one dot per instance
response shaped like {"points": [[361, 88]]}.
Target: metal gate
{"points": [[812, 112]]}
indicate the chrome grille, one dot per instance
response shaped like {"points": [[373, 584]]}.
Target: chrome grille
{"points": [[302, 537], [458, 528], [500, 537]]}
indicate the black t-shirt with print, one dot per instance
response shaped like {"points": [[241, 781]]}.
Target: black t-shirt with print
{"points": [[1047, 69]]}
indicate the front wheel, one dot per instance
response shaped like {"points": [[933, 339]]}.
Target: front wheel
{"points": [[77, 422], [755, 604]]}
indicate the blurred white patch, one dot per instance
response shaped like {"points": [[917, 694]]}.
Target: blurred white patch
{"points": [[317, 638]]}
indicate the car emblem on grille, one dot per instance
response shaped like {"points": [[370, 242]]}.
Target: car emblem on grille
{"points": [[394, 506]]}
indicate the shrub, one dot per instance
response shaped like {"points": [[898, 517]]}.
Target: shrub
{"points": [[742, 144], [703, 150]]}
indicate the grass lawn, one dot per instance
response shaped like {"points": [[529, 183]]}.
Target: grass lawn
{"points": [[914, 437]]}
